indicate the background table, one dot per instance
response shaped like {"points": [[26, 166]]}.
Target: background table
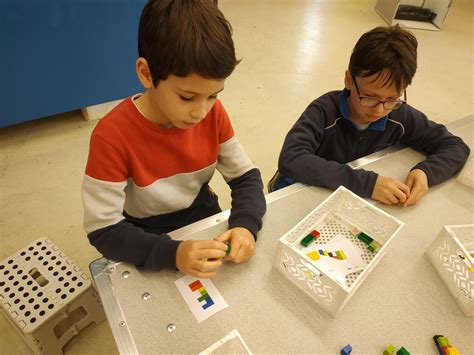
{"points": [[402, 302]]}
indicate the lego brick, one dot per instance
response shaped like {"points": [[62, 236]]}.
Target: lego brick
{"points": [[346, 350], [403, 351], [364, 238], [443, 341], [307, 240], [340, 255], [435, 338], [374, 246], [315, 233], [355, 231], [389, 350], [228, 248], [314, 255]]}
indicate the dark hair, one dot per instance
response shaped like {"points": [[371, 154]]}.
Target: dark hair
{"points": [[386, 48], [182, 37]]}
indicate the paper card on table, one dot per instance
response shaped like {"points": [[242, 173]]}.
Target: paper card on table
{"points": [[352, 252], [338, 257], [201, 296]]}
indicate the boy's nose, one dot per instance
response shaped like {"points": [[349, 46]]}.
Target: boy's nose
{"points": [[198, 113], [379, 108]]}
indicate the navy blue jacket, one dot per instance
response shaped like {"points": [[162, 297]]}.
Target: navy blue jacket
{"points": [[324, 139]]}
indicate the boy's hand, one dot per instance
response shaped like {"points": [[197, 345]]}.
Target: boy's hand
{"points": [[417, 181], [242, 244], [192, 257], [390, 191]]}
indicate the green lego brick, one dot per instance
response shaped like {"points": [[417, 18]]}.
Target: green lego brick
{"points": [[228, 248], [364, 238], [203, 297], [403, 351], [443, 341], [307, 240]]}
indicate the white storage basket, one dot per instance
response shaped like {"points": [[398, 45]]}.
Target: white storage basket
{"points": [[450, 255], [338, 215]]}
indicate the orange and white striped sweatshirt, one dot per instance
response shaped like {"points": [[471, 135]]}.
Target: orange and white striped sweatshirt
{"points": [[143, 180]]}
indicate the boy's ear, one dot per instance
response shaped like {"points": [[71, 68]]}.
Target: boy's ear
{"points": [[143, 73], [347, 80]]}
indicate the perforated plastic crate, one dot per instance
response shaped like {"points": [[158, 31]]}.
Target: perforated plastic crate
{"points": [[46, 297], [450, 255], [337, 216]]}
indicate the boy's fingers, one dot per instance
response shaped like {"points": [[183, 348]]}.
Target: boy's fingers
{"points": [[209, 254], [202, 274], [210, 265], [212, 245], [400, 196], [224, 236], [240, 255], [417, 195], [391, 198]]}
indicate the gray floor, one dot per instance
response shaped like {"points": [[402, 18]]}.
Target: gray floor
{"points": [[292, 51]]}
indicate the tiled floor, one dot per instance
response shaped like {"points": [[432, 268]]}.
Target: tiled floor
{"points": [[292, 51]]}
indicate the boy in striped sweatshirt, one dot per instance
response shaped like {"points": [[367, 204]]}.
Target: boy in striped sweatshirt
{"points": [[152, 157]]}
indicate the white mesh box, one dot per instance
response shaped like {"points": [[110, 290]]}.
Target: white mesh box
{"points": [[341, 216], [451, 254]]}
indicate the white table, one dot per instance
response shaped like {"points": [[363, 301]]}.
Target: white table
{"points": [[402, 302]]}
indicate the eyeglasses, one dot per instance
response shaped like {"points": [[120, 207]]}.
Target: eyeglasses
{"points": [[372, 102]]}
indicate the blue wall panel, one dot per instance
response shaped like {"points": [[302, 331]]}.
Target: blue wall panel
{"points": [[62, 55]]}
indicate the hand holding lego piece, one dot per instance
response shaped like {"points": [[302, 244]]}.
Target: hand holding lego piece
{"points": [[390, 191], [200, 258], [417, 181], [242, 244]]}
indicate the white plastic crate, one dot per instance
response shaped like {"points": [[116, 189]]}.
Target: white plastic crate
{"points": [[451, 256], [335, 217]]}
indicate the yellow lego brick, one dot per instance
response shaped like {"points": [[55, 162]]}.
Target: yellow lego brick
{"points": [[314, 255]]}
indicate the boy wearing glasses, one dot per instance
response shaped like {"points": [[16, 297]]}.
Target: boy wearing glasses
{"points": [[367, 116]]}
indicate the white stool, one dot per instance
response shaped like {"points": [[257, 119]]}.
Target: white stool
{"points": [[46, 297]]}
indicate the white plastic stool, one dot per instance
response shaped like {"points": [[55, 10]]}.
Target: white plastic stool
{"points": [[46, 297]]}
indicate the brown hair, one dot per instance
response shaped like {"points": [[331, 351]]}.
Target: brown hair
{"points": [[182, 37], [386, 48]]}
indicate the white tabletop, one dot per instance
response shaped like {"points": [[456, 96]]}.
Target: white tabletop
{"points": [[402, 302]]}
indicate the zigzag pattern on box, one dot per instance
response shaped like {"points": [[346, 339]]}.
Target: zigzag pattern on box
{"points": [[368, 219], [452, 264], [303, 273]]}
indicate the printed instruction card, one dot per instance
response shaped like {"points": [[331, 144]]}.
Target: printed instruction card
{"points": [[201, 296]]}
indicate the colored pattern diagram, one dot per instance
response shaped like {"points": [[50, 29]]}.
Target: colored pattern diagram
{"points": [[197, 286], [338, 254]]}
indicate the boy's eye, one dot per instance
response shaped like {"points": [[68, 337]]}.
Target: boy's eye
{"points": [[184, 98], [213, 97]]}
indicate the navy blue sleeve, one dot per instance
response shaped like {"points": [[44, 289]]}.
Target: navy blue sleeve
{"points": [[446, 153], [248, 201], [299, 158], [125, 242]]}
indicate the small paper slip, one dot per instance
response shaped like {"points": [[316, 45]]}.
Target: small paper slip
{"points": [[201, 296], [353, 253], [338, 265]]}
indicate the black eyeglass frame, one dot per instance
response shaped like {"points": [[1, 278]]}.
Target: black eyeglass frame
{"points": [[361, 97]]}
